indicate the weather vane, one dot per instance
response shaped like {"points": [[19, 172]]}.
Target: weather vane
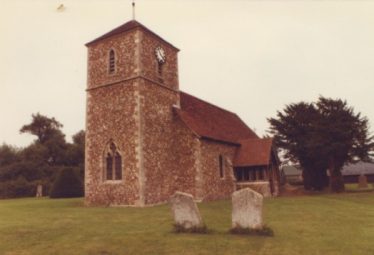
{"points": [[133, 9]]}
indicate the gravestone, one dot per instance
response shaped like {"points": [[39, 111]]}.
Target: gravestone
{"points": [[362, 181], [39, 190], [247, 209], [185, 211]]}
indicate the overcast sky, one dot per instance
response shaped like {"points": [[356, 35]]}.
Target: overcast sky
{"points": [[250, 57]]}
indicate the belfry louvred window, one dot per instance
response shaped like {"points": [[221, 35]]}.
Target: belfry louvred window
{"points": [[112, 61], [113, 163]]}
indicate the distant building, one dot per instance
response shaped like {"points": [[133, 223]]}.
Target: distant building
{"points": [[292, 174], [146, 139], [351, 172]]}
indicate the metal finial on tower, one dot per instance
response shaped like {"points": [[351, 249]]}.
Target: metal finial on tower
{"points": [[133, 9]]}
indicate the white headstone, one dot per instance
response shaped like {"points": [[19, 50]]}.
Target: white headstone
{"points": [[39, 190], [185, 211], [247, 209], [362, 181]]}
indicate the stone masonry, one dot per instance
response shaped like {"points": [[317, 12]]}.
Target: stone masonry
{"points": [[137, 110]]}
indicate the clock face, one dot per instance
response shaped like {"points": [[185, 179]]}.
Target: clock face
{"points": [[160, 55]]}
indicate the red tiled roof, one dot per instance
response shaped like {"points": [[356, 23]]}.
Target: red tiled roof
{"points": [[126, 27], [253, 152], [210, 121]]}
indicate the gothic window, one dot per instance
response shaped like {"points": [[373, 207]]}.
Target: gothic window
{"points": [[118, 166], [109, 167], [221, 166], [113, 163], [112, 61]]}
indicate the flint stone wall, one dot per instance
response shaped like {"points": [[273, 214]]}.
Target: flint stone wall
{"points": [[133, 107], [167, 146], [213, 186]]}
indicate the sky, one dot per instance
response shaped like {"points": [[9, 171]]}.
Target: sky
{"points": [[249, 57]]}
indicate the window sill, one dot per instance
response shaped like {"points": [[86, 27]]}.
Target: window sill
{"points": [[112, 181], [257, 181]]}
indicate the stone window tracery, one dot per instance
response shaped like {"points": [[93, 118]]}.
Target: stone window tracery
{"points": [[112, 61], [113, 163]]}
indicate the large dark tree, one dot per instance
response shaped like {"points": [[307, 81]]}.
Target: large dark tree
{"points": [[344, 137], [322, 135]]}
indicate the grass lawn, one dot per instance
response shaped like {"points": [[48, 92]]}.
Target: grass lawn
{"points": [[353, 187], [323, 224]]}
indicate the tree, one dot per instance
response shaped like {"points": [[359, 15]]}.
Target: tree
{"points": [[322, 135], [40, 162], [43, 127], [293, 132], [50, 142], [75, 152], [8, 154], [67, 184], [344, 137]]}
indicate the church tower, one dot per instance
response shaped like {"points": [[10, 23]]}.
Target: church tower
{"points": [[132, 88]]}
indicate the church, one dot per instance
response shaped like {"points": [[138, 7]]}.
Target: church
{"points": [[146, 139]]}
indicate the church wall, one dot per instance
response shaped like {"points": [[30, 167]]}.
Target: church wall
{"points": [[149, 65], [134, 108], [168, 146], [124, 46], [215, 187], [111, 115]]}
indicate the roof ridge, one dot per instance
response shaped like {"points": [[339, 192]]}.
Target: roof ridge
{"points": [[259, 138], [127, 26], [211, 104]]}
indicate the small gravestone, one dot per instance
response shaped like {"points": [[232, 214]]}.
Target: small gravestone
{"points": [[39, 190], [362, 181], [247, 209], [185, 211]]}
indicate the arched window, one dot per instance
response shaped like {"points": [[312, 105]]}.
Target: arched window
{"points": [[109, 167], [221, 167], [113, 163], [112, 61]]}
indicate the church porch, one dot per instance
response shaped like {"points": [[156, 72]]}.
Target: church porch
{"points": [[262, 179]]}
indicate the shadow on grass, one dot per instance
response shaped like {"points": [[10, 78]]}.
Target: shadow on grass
{"points": [[194, 230], [264, 231]]}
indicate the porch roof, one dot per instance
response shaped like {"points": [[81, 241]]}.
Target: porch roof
{"points": [[253, 152]]}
